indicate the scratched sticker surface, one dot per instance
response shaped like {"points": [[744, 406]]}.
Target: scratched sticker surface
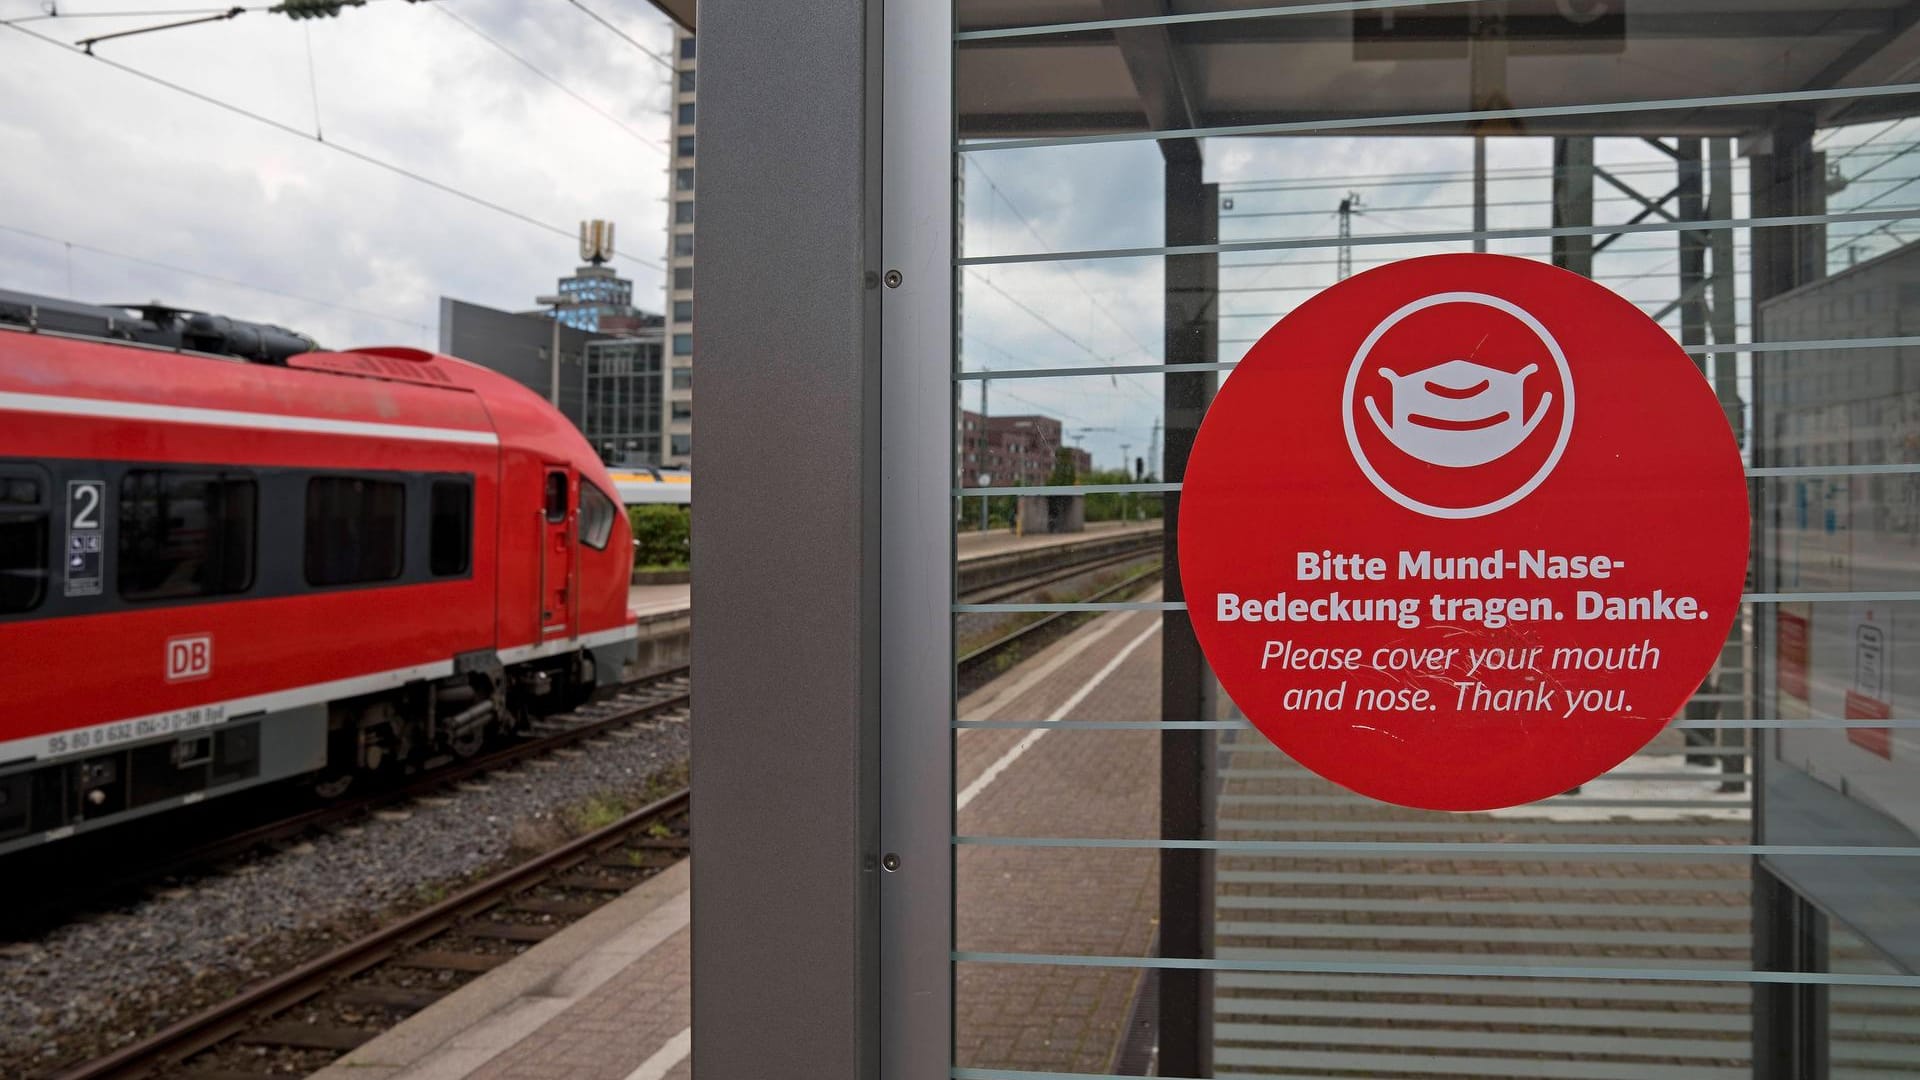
{"points": [[1463, 531]]}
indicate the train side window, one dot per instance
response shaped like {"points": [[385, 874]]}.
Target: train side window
{"points": [[186, 534], [23, 544], [596, 517], [356, 530], [556, 496], [450, 536]]}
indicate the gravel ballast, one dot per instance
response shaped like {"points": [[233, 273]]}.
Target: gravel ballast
{"points": [[104, 981]]}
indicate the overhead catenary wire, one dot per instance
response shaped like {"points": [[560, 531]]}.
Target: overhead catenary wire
{"points": [[156, 14], [623, 35], [651, 143], [358, 155], [1050, 324], [204, 15], [1505, 175], [72, 245], [1071, 273]]}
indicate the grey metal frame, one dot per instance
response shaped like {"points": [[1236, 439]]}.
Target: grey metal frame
{"points": [[823, 891], [917, 416], [786, 890]]}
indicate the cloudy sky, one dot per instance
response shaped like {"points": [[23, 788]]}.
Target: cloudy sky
{"points": [[1108, 311], [262, 224], [293, 232]]}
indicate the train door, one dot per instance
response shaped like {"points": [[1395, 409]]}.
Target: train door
{"points": [[556, 554]]}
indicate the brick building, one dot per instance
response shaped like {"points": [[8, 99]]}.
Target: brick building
{"points": [[1013, 450]]}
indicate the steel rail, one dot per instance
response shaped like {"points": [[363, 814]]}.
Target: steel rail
{"points": [[992, 594], [970, 662], [214, 1025]]}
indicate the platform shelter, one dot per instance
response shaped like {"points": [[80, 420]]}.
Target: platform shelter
{"points": [[1099, 207]]}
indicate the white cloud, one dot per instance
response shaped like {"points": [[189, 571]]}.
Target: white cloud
{"points": [[98, 157]]}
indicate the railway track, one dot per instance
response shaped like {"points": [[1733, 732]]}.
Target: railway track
{"points": [[1053, 575], [980, 664], [299, 1021], [130, 868]]}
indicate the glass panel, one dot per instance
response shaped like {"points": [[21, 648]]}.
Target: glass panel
{"points": [[23, 542], [1142, 879], [23, 561], [596, 517], [185, 534], [451, 530], [355, 530]]}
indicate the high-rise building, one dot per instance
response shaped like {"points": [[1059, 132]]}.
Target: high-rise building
{"points": [[678, 376], [623, 410], [594, 292]]}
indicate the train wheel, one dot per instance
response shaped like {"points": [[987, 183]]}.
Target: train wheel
{"points": [[331, 786], [469, 744], [582, 682]]}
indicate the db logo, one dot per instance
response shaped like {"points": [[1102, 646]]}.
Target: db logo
{"points": [[189, 657], [1458, 405]]}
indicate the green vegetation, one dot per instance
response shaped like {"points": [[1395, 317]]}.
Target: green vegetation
{"points": [[1063, 470], [1101, 506], [662, 536], [1113, 506], [598, 812]]}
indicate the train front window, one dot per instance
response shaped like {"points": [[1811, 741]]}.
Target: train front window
{"points": [[185, 534], [596, 517], [356, 530], [556, 496], [23, 545]]}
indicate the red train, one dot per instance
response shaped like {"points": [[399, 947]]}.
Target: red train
{"points": [[229, 558]]}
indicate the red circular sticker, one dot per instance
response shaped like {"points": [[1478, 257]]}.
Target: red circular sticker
{"points": [[1463, 532]]}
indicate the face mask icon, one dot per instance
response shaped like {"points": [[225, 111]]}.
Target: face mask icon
{"points": [[1459, 413]]}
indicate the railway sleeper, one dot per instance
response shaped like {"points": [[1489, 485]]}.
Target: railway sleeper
{"points": [[298, 1036], [402, 998]]}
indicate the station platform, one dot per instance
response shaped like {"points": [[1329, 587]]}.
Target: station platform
{"points": [[608, 998], [651, 601], [985, 545], [648, 601]]}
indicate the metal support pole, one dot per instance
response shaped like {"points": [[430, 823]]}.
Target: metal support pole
{"points": [[1726, 381], [1479, 192], [984, 499], [1737, 659], [1693, 247], [1186, 682], [1690, 201], [1788, 178], [1787, 171], [553, 364], [1789, 1020], [1573, 202]]}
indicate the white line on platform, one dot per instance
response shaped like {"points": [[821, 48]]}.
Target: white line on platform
{"points": [[988, 701], [994, 770], [665, 1058]]}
